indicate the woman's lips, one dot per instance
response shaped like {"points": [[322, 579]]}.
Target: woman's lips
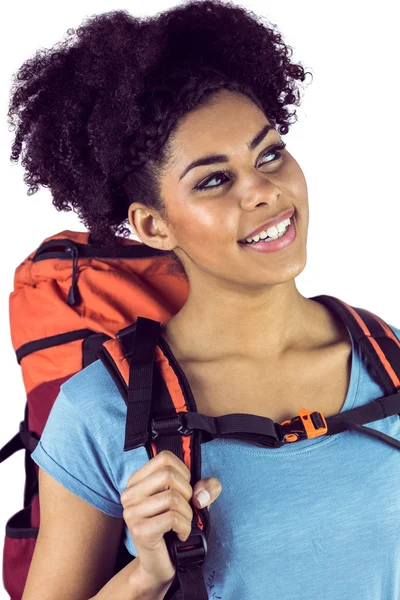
{"points": [[272, 246], [285, 215]]}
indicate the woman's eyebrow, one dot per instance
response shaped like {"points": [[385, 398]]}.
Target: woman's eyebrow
{"points": [[218, 158]]}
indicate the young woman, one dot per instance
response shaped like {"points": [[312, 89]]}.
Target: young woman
{"points": [[175, 123]]}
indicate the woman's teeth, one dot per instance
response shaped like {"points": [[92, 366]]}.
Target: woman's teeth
{"points": [[272, 233]]}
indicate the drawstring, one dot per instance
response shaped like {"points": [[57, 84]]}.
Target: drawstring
{"points": [[73, 294]]}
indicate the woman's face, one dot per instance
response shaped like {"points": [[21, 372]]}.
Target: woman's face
{"points": [[204, 226]]}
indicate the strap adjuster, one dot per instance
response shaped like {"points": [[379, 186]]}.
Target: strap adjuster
{"points": [[169, 425], [189, 554], [305, 425]]}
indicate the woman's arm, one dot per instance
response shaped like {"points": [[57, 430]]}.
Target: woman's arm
{"points": [[131, 584], [76, 550]]}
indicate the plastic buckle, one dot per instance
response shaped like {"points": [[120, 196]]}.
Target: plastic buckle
{"points": [[191, 553], [305, 425], [169, 426]]}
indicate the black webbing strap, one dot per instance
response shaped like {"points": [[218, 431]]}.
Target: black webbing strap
{"points": [[382, 352], [383, 355], [24, 439], [263, 431], [141, 357], [148, 400]]}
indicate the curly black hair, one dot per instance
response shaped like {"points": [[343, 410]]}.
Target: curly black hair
{"points": [[96, 110]]}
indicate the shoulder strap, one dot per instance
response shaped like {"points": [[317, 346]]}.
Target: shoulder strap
{"points": [[150, 401], [381, 349]]}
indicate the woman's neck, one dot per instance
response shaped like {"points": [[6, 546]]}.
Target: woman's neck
{"points": [[219, 327]]}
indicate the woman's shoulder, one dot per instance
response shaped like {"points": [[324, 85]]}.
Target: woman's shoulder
{"points": [[93, 377], [82, 442], [93, 394]]}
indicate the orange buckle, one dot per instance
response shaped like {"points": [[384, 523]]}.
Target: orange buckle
{"points": [[313, 425]]}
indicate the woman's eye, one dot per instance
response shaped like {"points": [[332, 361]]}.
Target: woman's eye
{"points": [[205, 186], [275, 150]]}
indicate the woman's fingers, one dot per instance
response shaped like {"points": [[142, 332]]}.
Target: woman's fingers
{"points": [[156, 481], [164, 459], [150, 531], [160, 503]]}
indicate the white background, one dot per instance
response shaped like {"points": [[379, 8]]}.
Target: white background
{"points": [[345, 140]]}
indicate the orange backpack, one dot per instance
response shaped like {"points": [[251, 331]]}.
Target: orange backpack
{"points": [[74, 303]]}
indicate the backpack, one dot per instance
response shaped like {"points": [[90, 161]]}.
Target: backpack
{"points": [[77, 303]]}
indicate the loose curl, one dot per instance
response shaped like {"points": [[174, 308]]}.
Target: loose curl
{"points": [[96, 111]]}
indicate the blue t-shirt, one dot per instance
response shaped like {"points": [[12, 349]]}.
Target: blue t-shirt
{"points": [[316, 519]]}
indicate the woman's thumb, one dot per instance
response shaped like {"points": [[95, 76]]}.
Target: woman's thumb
{"points": [[206, 491]]}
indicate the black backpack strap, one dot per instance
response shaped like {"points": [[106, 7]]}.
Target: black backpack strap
{"points": [[152, 420], [24, 439], [375, 338], [139, 349], [381, 348]]}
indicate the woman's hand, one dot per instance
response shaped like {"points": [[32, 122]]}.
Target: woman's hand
{"points": [[155, 501]]}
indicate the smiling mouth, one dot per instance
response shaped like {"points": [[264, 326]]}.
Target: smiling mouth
{"points": [[285, 217], [287, 222]]}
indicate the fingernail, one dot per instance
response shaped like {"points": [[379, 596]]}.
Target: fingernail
{"points": [[203, 497]]}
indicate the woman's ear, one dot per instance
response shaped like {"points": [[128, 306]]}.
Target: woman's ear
{"points": [[149, 227], [134, 217]]}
